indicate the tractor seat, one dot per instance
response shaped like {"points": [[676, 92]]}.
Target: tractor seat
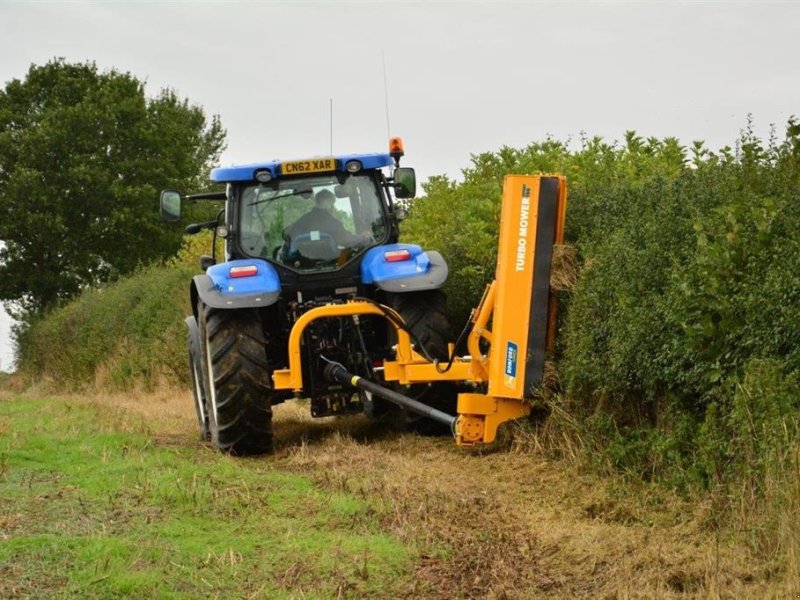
{"points": [[313, 246]]}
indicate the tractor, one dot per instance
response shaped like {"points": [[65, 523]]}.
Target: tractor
{"points": [[298, 235], [317, 299]]}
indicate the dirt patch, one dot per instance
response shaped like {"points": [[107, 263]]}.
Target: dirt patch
{"points": [[14, 585]]}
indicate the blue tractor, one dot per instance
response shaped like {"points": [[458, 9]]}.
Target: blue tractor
{"points": [[300, 235]]}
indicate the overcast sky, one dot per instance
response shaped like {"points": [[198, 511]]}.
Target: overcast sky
{"points": [[462, 77]]}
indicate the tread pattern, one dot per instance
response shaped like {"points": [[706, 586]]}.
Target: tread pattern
{"points": [[240, 419], [425, 314]]}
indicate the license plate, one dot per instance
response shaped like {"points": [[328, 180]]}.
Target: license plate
{"points": [[314, 165]]}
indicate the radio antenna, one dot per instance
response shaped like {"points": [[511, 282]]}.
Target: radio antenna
{"points": [[386, 95], [331, 121]]}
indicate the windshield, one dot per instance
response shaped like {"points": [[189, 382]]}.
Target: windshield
{"points": [[314, 223]]}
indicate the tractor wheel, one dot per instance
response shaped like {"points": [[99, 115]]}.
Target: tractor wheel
{"points": [[425, 314], [198, 382], [239, 383]]}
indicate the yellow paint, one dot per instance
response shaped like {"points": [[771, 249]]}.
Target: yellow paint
{"points": [[480, 331], [424, 371], [480, 415], [292, 378], [514, 283]]}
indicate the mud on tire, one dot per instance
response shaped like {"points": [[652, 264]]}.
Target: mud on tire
{"points": [[238, 376]]}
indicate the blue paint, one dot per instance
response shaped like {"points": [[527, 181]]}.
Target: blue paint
{"points": [[511, 360], [247, 172], [376, 268], [265, 281]]}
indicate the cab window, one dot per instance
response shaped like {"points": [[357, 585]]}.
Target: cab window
{"points": [[316, 222]]}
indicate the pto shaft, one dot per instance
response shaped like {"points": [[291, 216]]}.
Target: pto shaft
{"points": [[337, 373]]}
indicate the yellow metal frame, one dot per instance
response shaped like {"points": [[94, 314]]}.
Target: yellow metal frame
{"points": [[479, 415], [292, 378], [409, 367]]}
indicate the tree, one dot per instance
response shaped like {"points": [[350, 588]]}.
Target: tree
{"points": [[83, 154]]}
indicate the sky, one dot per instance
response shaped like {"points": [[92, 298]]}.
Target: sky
{"points": [[462, 77]]}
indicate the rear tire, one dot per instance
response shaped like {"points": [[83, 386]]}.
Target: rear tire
{"points": [[239, 382], [425, 315]]}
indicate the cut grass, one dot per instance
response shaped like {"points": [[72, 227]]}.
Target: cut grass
{"points": [[91, 511], [516, 525], [114, 496]]}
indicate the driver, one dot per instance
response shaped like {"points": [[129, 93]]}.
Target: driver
{"points": [[321, 218]]}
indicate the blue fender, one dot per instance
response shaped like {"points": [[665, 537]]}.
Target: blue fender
{"points": [[218, 289], [424, 270]]}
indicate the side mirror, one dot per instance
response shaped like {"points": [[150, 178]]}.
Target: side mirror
{"points": [[171, 205], [405, 182], [206, 262]]}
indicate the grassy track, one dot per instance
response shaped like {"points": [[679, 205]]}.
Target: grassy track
{"points": [[114, 497], [93, 508]]}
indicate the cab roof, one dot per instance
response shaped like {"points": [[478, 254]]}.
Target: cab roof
{"points": [[248, 172]]}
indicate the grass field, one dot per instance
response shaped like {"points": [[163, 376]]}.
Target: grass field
{"points": [[114, 496], [96, 504]]}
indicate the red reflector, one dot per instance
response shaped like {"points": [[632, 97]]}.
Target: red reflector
{"points": [[247, 271], [397, 255]]}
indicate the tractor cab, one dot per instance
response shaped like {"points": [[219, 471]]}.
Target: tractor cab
{"points": [[307, 217], [313, 222]]}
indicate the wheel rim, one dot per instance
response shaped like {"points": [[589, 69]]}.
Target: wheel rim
{"points": [[212, 391], [198, 396]]}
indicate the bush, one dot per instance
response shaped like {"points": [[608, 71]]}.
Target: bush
{"points": [[461, 220], [125, 335], [750, 452], [690, 277]]}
